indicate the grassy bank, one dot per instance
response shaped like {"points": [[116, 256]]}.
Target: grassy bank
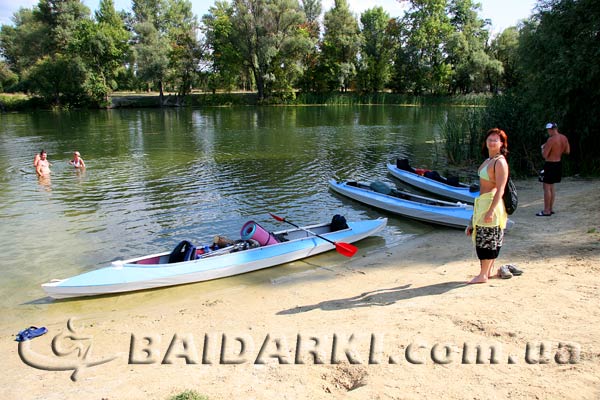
{"points": [[22, 102], [350, 98]]}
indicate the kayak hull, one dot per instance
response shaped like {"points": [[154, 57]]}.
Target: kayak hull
{"points": [[457, 193], [456, 215], [154, 271]]}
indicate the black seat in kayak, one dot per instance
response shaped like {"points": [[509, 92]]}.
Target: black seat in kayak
{"points": [[452, 181], [184, 251], [435, 176], [338, 223], [402, 163]]}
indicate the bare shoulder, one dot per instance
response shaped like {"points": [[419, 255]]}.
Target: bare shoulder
{"points": [[502, 163]]}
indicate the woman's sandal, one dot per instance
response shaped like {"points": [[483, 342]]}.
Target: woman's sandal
{"points": [[542, 214]]}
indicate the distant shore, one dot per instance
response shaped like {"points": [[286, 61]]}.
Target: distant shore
{"points": [[24, 103]]}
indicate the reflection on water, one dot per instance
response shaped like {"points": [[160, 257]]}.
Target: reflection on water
{"points": [[45, 182], [155, 177]]}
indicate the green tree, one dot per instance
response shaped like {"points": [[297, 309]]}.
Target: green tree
{"points": [[466, 48], [24, 43], [185, 51], [103, 47], [167, 51], [152, 62], [312, 11], [310, 79], [271, 41], [504, 48], [151, 45], [421, 65], [559, 60], [339, 47], [376, 50], [224, 59], [62, 17], [60, 20], [8, 79], [56, 30], [58, 79]]}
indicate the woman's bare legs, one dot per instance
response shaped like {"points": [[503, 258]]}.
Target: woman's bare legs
{"points": [[484, 274]]}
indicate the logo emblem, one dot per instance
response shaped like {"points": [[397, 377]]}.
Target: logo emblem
{"points": [[71, 352]]}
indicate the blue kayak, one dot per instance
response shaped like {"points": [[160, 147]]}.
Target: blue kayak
{"points": [[380, 195], [458, 191], [202, 264]]}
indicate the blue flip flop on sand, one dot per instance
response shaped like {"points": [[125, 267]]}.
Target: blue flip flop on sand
{"points": [[30, 333]]}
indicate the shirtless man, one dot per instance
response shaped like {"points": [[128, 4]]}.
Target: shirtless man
{"points": [[552, 151], [43, 165]]}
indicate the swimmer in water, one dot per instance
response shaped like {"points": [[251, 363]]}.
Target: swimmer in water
{"points": [[42, 167], [77, 161]]}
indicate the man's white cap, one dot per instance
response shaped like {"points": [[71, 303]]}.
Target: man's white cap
{"points": [[551, 125]]}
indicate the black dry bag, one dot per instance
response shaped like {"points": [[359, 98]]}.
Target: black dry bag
{"points": [[338, 222], [510, 198]]}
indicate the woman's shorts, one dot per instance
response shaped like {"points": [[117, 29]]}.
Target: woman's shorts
{"points": [[488, 241]]}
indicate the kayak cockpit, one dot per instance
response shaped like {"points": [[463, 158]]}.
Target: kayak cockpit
{"points": [[252, 236]]}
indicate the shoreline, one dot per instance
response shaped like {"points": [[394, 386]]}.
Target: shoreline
{"points": [[400, 303]]}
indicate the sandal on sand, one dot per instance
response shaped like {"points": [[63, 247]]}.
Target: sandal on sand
{"points": [[542, 214], [514, 270], [504, 273], [30, 333]]}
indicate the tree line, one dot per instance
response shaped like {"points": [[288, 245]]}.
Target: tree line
{"points": [[544, 69], [59, 51]]}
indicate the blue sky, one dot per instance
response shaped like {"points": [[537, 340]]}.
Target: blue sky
{"points": [[503, 13]]}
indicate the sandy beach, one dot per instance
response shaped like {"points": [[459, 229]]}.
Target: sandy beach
{"points": [[396, 323]]}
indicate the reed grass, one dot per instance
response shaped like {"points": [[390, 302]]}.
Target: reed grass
{"points": [[384, 98], [19, 102], [23, 102], [460, 136]]}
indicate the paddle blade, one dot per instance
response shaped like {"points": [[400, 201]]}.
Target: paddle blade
{"points": [[276, 217], [345, 249]]}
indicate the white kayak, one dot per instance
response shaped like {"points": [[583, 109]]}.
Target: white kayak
{"points": [[186, 264]]}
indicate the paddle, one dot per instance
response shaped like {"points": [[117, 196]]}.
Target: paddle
{"points": [[345, 249]]}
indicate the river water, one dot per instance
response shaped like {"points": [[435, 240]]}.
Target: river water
{"points": [[155, 177]]}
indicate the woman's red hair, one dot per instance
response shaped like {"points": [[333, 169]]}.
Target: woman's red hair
{"points": [[503, 138]]}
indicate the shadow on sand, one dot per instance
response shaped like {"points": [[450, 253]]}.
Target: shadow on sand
{"points": [[379, 297]]}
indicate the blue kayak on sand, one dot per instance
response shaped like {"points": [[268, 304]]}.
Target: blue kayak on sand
{"points": [[202, 264], [380, 195], [435, 211], [457, 191]]}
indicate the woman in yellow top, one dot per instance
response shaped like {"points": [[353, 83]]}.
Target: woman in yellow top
{"points": [[489, 215]]}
